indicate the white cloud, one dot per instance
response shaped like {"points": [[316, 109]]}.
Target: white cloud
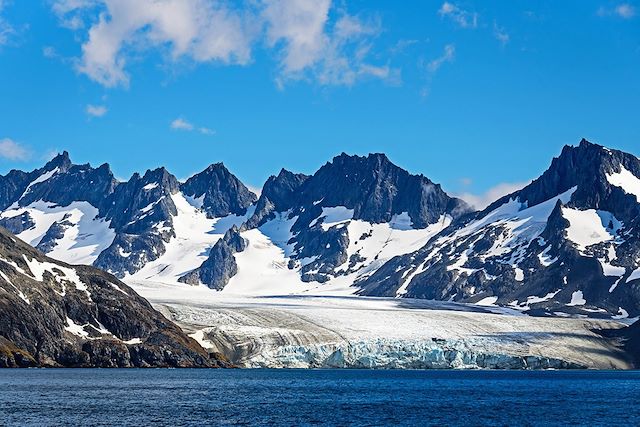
{"points": [[622, 10], [481, 201], [11, 150], [460, 17], [49, 52], [500, 34], [6, 30], [447, 56], [181, 124], [625, 11], [96, 110], [299, 31], [185, 125]]}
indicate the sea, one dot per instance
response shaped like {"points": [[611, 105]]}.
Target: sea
{"points": [[197, 397]]}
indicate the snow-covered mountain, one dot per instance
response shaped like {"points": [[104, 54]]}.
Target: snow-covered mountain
{"points": [[56, 314], [568, 243], [340, 224], [82, 215]]}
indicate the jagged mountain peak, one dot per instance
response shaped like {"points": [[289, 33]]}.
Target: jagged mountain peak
{"points": [[218, 191], [161, 178], [61, 161], [377, 189], [586, 166]]}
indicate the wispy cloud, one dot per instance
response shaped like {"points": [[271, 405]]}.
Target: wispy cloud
{"points": [[500, 34], [308, 44], [181, 124], [12, 150], [482, 200], [185, 125], [96, 110], [461, 17], [622, 10], [447, 56], [7, 31]]}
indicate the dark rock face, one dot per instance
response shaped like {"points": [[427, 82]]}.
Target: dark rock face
{"points": [[54, 314], [55, 232], [18, 223], [519, 250], [12, 186], [141, 210], [221, 192], [279, 194], [220, 266], [376, 189], [71, 183]]}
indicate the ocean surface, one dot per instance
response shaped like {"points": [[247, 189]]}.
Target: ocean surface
{"points": [[317, 397]]}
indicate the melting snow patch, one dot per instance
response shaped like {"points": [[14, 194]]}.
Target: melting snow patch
{"points": [[627, 181], [151, 186], [586, 227], [519, 274], [199, 336], [622, 314], [488, 301], [22, 296], [61, 274], [75, 329], [333, 216], [533, 300], [577, 299], [133, 341], [544, 257]]}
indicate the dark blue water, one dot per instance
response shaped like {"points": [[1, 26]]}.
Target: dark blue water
{"points": [[317, 397]]}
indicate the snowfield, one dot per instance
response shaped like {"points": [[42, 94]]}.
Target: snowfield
{"points": [[85, 235], [316, 331]]}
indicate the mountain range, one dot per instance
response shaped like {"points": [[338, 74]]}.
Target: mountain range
{"points": [[566, 244]]}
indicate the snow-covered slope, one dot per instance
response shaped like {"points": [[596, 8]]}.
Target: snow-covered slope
{"points": [[73, 233], [343, 223], [195, 234], [565, 244]]}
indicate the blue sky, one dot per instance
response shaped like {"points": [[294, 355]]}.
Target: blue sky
{"points": [[478, 96]]}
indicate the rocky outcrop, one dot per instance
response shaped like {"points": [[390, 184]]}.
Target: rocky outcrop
{"points": [[53, 314], [219, 192], [220, 266]]}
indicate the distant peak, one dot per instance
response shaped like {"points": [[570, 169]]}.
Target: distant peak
{"points": [[216, 166], [285, 173], [61, 160], [371, 156]]}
